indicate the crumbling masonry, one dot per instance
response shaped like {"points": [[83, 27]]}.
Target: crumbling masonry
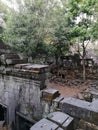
{"points": [[24, 99]]}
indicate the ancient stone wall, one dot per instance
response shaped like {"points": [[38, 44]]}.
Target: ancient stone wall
{"points": [[20, 93]]}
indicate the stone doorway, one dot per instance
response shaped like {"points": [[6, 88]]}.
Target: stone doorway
{"points": [[4, 114]]}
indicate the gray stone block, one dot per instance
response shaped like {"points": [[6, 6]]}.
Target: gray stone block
{"points": [[55, 121], [80, 109], [44, 124], [63, 120], [58, 117], [50, 94], [60, 129]]}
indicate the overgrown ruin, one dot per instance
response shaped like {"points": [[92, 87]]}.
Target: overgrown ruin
{"points": [[27, 104]]}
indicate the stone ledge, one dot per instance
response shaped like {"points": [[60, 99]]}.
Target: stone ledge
{"points": [[80, 109], [36, 72]]}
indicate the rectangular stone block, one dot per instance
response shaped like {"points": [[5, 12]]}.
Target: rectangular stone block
{"points": [[63, 120], [80, 109], [15, 61], [55, 121], [58, 117], [55, 103], [60, 129], [20, 66], [50, 94], [35, 68], [58, 99], [68, 124], [44, 124]]}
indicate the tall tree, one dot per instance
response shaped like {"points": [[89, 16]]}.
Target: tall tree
{"points": [[3, 18], [82, 18], [35, 24], [27, 27], [61, 35]]}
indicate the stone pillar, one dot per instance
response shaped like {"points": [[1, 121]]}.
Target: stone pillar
{"points": [[47, 97]]}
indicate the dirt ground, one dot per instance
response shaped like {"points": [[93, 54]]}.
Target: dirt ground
{"points": [[67, 91]]}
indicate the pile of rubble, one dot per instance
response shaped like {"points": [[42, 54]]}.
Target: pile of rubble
{"points": [[90, 93]]}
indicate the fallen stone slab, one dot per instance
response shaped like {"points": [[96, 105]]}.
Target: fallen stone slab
{"points": [[80, 109], [62, 119], [44, 124], [92, 93], [55, 121]]}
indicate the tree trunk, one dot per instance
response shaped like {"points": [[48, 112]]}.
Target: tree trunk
{"points": [[56, 59], [84, 69], [83, 60]]}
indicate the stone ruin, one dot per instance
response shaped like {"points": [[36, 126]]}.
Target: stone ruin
{"points": [[26, 103], [20, 89], [69, 71], [55, 121]]}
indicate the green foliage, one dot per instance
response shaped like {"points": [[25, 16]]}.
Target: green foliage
{"points": [[3, 18], [29, 28], [26, 28], [82, 27], [48, 27]]}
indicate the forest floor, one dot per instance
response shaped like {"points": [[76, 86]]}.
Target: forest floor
{"points": [[70, 91], [67, 91], [70, 82]]}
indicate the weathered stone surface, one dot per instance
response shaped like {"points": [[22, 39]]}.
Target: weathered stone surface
{"points": [[29, 73], [44, 124], [92, 93], [58, 99], [20, 66], [58, 117], [80, 109], [11, 59], [22, 94], [20, 85], [63, 120], [35, 68], [50, 94], [60, 129], [47, 97], [68, 124], [55, 121], [56, 102], [15, 61], [46, 105]]}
